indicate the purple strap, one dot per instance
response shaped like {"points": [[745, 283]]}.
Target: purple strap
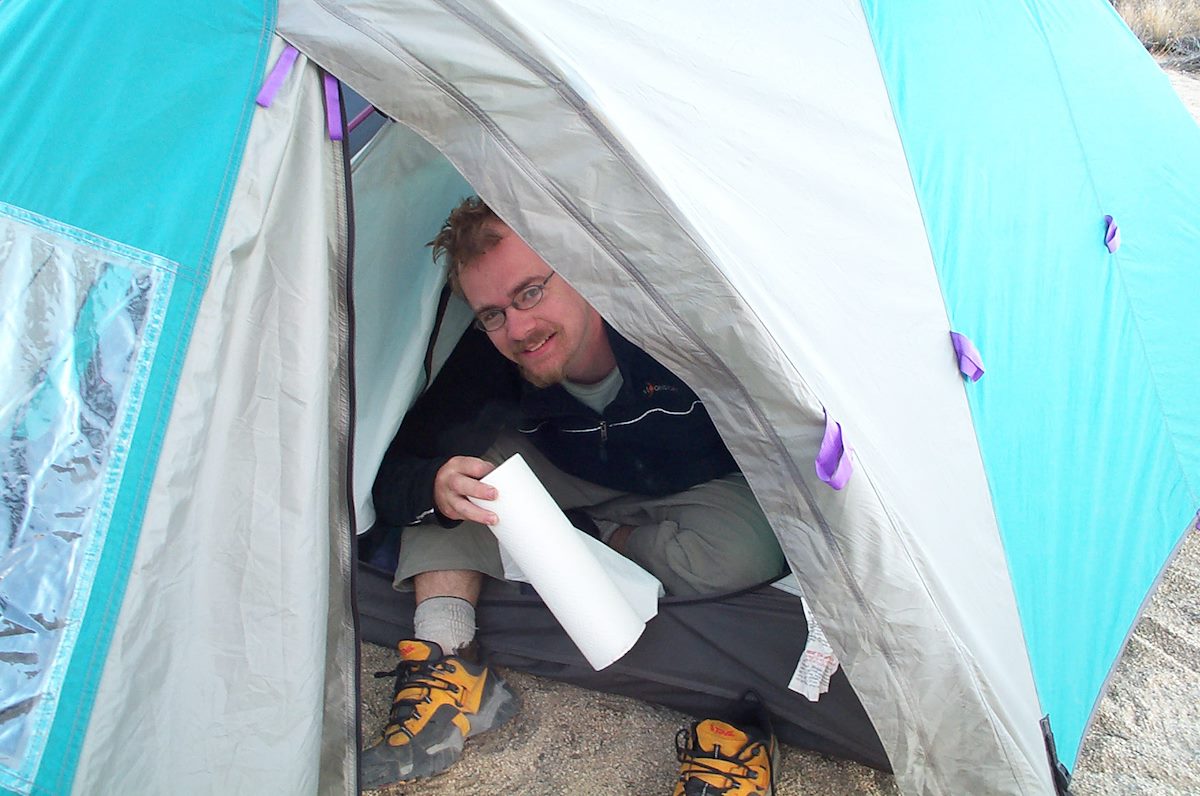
{"points": [[969, 360], [333, 107], [1112, 235], [278, 74], [833, 460], [362, 116]]}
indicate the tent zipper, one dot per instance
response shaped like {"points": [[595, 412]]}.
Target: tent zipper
{"points": [[346, 526]]}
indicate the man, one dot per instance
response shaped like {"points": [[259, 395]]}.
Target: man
{"points": [[614, 436]]}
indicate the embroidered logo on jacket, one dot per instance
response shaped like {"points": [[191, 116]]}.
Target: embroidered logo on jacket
{"points": [[651, 389]]}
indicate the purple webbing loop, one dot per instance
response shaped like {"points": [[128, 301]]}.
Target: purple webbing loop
{"points": [[1112, 235], [279, 73], [969, 360], [333, 107], [361, 117], [833, 459]]}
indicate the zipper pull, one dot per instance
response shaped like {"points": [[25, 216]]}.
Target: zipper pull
{"points": [[603, 440]]}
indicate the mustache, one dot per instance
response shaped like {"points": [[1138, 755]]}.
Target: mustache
{"points": [[532, 340]]}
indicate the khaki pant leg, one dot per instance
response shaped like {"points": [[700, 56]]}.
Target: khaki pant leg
{"points": [[429, 547], [709, 539]]}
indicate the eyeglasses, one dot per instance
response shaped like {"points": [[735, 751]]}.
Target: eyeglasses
{"points": [[493, 318]]}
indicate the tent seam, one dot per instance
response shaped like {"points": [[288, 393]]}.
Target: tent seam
{"points": [[342, 464], [1116, 268], [966, 397], [1115, 259]]}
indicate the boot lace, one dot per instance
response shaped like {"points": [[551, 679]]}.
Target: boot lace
{"points": [[713, 763], [417, 684]]}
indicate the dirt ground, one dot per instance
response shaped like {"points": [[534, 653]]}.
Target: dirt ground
{"points": [[1145, 738]]}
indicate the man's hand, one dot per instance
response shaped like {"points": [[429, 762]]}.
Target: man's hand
{"points": [[458, 479]]}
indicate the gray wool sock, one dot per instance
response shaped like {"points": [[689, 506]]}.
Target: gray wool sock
{"points": [[447, 621]]}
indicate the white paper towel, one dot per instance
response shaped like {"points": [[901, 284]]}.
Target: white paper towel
{"points": [[640, 589], [562, 566]]}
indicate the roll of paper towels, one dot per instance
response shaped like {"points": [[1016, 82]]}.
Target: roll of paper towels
{"points": [[557, 560]]}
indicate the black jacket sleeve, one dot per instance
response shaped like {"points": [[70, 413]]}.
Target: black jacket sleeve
{"points": [[474, 395], [403, 491]]}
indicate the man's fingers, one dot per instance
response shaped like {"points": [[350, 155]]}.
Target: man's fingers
{"points": [[464, 487], [469, 511], [467, 486], [458, 480]]}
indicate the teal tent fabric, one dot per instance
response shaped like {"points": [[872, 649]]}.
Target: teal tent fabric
{"points": [[130, 95], [1017, 152]]}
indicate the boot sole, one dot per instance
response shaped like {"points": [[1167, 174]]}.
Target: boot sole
{"points": [[498, 707]]}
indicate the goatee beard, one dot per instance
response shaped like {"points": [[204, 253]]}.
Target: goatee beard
{"points": [[544, 380], [547, 378]]}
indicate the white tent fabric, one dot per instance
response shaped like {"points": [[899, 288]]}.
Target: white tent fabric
{"points": [[737, 270], [238, 689], [402, 187]]}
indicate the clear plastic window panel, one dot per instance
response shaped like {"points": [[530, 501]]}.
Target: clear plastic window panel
{"points": [[79, 322]]}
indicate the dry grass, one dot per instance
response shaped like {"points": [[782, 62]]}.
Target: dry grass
{"points": [[1170, 29]]}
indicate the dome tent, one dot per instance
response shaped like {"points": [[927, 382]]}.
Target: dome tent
{"points": [[790, 207]]}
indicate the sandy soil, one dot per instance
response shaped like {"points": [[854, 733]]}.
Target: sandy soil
{"points": [[1187, 86], [1145, 738]]}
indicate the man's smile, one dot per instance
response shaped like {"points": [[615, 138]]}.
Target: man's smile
{"points": [[533, 346]]}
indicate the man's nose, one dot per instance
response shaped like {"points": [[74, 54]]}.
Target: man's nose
{"points": [[519, 323]]}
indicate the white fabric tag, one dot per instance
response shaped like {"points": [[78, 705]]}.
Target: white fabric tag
{"points": [[817, 663]]}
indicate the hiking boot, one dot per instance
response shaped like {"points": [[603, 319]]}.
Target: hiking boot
{"points": [[440, 701], [720, 758]]}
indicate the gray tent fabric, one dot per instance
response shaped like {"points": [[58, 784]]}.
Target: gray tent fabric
{"points": [[902, 612]]}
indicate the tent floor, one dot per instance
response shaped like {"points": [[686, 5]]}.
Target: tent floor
{"points": [[696, 656]]}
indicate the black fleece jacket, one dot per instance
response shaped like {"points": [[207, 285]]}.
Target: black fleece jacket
{"points": [[654, 438]]}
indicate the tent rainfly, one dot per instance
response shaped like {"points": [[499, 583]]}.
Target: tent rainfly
{"points": [[828, 218]]}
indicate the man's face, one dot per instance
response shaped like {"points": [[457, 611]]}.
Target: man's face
{"points": [[561, 337]]}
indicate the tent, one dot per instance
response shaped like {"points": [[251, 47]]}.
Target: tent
{"points": [[208, 340]]}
